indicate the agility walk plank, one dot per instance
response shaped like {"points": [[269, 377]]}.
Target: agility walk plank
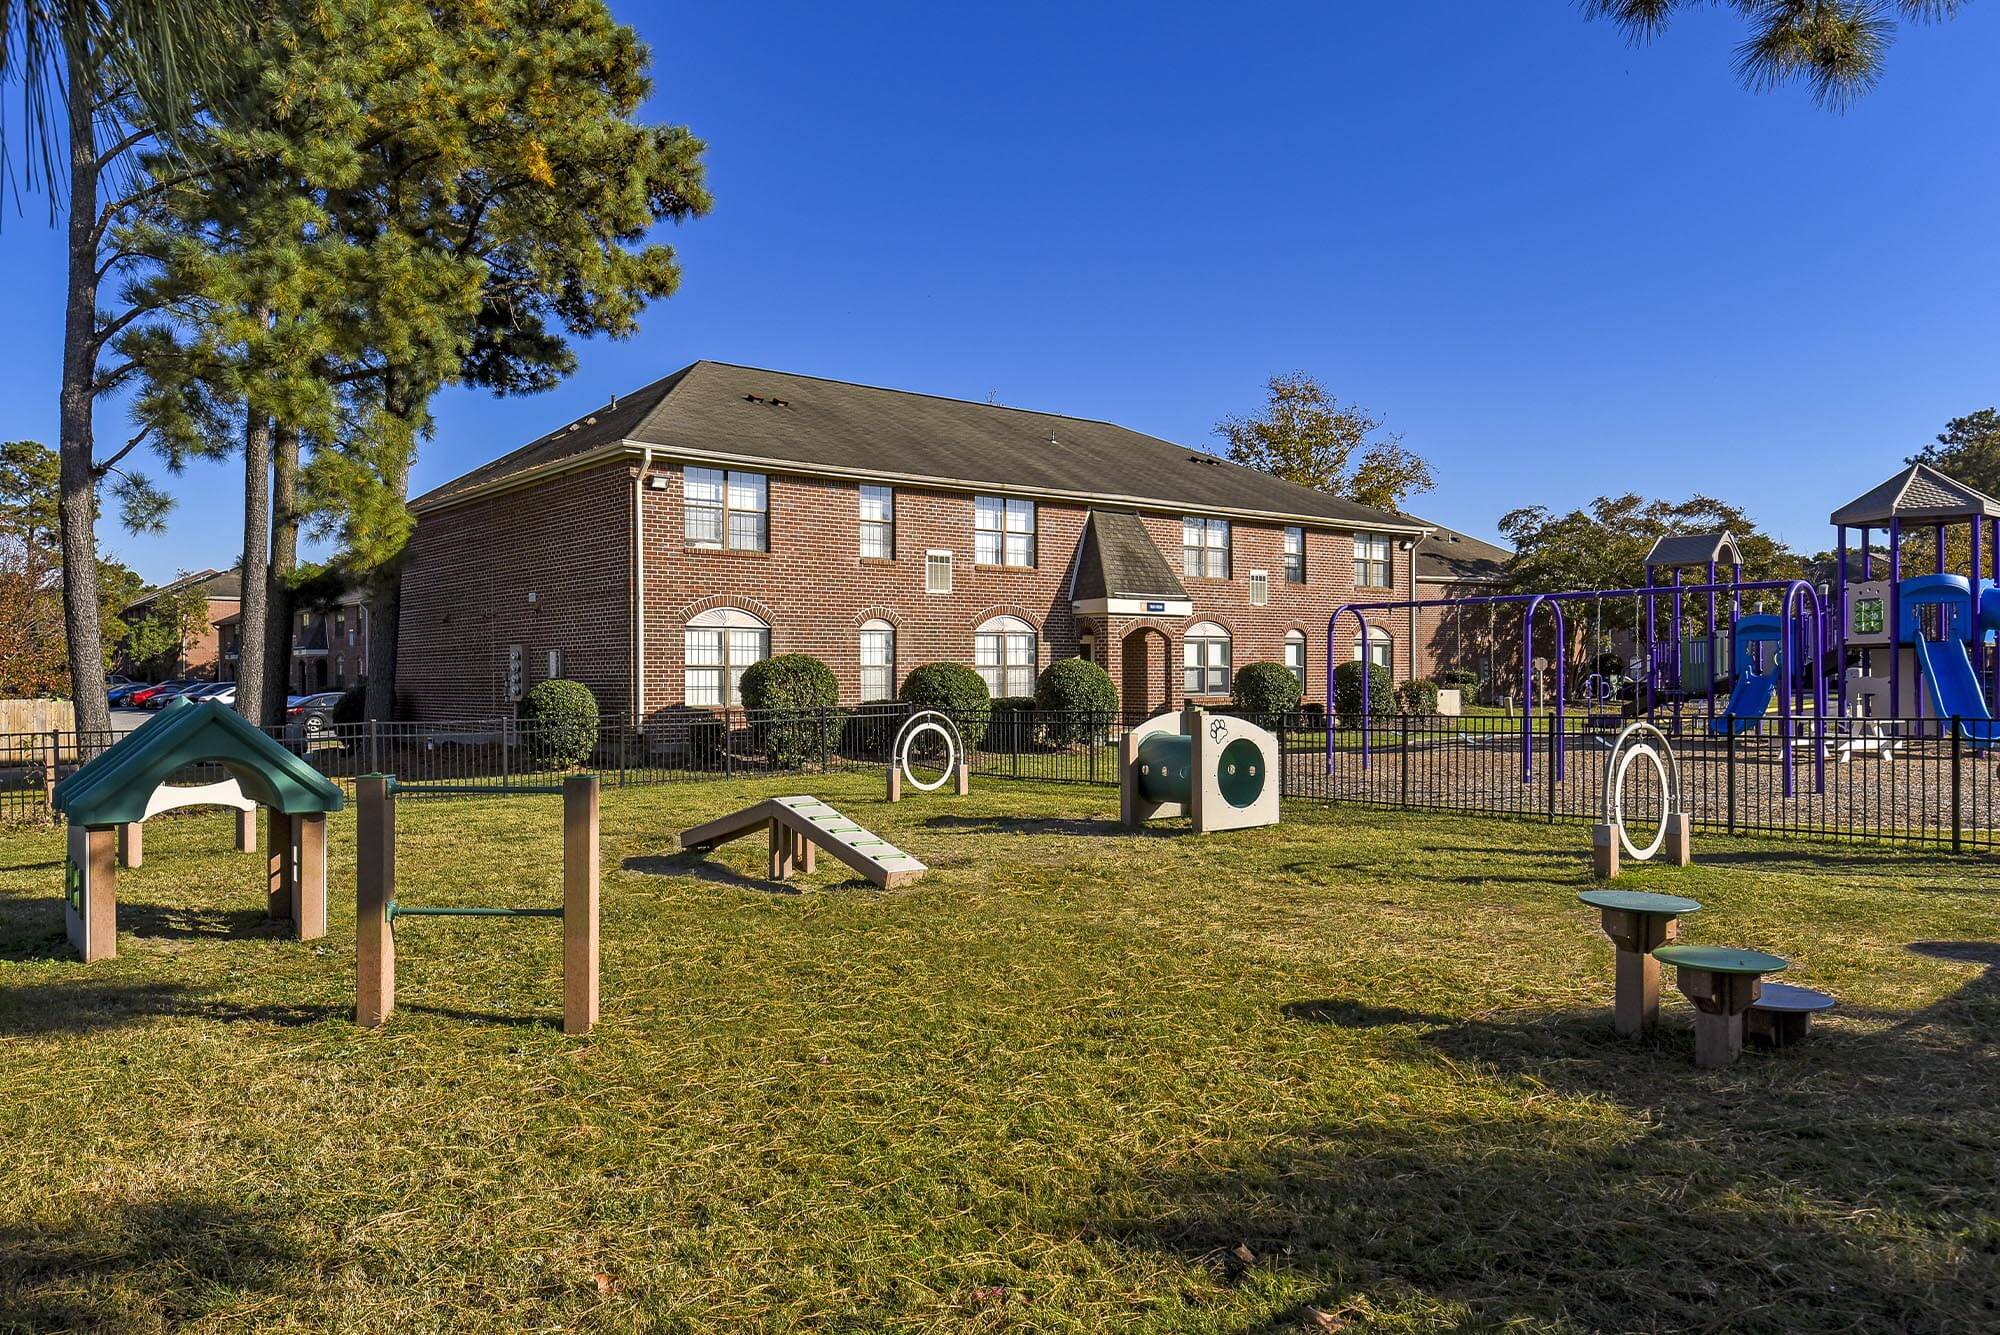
{"points": [[797, 826]]}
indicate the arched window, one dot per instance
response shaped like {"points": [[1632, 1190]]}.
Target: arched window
{"points": [[1381, 648], [878, 660], [715, 648], [1295, 655], [1205, 659], [1004, 652]]}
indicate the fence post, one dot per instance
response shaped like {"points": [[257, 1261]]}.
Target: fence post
{"points": [[624, 752], [506, 755], [1957, 818], [1730, 767], [51, 759], [374, 747], [1550, 766], [728, 751], [1403, 757]]}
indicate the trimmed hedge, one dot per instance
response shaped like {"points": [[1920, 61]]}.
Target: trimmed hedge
{"points": [[1347, 692], [955, 691], [798, 697], [1459, 679], [1417, 697], [1077, 700], [562, 719], [1265, 690]]}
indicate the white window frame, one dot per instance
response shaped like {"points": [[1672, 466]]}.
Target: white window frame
{"points": [[878, 677], [1295, 554], [729, 495], [937, 562], [716, 646], [1260, 588], [1295, 646], [1003, 532], [1205, 659], [1204, 547], [878, 522], [1005, 653], [1380, 642], [1366, 545]]}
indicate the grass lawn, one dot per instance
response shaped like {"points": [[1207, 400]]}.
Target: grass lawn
{"points": [[1355, 1072]]}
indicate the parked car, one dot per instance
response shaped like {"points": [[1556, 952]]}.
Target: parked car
{"points": [[145, 697], [222, 692], [309, 718], [120, 695]]}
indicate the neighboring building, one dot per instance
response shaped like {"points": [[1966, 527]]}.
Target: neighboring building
{"points": [[202, 655], [1457, 565], [656, 547], [329, 647]]}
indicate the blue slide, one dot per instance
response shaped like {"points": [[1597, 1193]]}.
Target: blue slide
{"points": [[1749, 700], [1953, 687]]}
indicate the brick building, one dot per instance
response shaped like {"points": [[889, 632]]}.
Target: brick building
{"points": [[1487, 640], [329, 646], [202, 654], [655, 547]]}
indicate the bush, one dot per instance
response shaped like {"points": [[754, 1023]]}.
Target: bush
{"points": [[1077, 701], [796, 697], [1010, 723], [1417, 697], [955, 691], [1347, 692], [561, 719], [1262, 691], [1609, 665], [1459, 679]]}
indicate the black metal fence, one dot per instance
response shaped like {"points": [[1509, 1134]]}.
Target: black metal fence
{"points": [[1912, 781]]}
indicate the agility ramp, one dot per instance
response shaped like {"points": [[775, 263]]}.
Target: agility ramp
{"points": [[800, 825]]}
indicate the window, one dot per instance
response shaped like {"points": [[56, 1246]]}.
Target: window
{"points": [[726, 509], [1295, 555], [1205, 659], [1260, 588], [1003, 531], [878, 661], [340, 672], [1205, 547], [1003, 650], [1381, 649], [716, 646], [1295, 655], [878, 523], [937, 571], [1371, 561]]}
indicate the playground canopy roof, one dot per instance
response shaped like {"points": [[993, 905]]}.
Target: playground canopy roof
{"points": [[113, 788], [1921, 493], [1694, 549]]}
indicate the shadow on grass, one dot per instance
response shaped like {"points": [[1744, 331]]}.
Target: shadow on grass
{"points": [[161, 1264], [1746, 1198], [55, 865], [86, 1006], [1080, 827], [466, 1016], [706, 869]]}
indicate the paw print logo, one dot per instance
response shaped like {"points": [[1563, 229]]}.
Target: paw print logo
{"points": [[1217, 730]]}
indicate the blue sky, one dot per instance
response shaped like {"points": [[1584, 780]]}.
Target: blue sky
{"points": [[1558, 265]]}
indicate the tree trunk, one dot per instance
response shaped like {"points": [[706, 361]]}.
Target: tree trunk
{"points": [[385, 591], [77, 501], [251, 678], [284, 560]]}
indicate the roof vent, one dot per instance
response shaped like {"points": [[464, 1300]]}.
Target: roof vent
{"points": [[772, 402]]}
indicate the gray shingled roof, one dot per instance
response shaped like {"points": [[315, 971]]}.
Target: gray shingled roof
{"points": [[776, 419], [1695, 549], [215, 583], [1918, 492], [1450, 557], [1117, 558]]}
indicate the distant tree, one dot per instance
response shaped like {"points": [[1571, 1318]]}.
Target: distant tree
{"points": [[1968, 449], [33, 641], [158, 639], [1307, 436], [1835, 47]]}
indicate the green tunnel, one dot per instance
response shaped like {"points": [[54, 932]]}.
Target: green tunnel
{"points": [[1166, 758]]}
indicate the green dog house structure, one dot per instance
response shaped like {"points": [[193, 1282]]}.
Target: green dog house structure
{"points": [[107, 801]]}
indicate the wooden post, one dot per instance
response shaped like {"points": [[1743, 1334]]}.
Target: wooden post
{"points": [[580, 827], [246, 829], [805, 855], [895, 781], [1636, 1000], [280, 870], [1604, 852], [132, 844], [781, 851], [309, 878], [963, 786], [374, 888], [1720, 1000], [90, 890], [1679, 846]]}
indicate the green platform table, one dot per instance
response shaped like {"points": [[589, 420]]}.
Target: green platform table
{"points": [[1723, 984], [1783, 1015], [1638, 924]]}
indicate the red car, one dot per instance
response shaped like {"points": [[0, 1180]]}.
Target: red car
{"points": [[143, 699]]}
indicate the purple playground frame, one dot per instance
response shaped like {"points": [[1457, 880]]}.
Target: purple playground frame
{"points": [[1793, 589]]}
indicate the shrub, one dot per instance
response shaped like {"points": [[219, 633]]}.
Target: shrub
{"points": [[1459, 679], [795, 696], [1608, 665], [562, 723], [1010, 723], [1347, 692], [1417, 697], [1265, 690], [1077, 701], [955, 691]]}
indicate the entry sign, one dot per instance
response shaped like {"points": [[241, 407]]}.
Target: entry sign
{"points": [[1156, 607]]}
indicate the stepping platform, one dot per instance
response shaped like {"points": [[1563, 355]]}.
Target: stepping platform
{"points": [[800, 825], [1783, 1015], [1638, 923], [1723, 984]]}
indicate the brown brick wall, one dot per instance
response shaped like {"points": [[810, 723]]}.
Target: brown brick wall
{"points": [[1481, 638], [569, 540]]}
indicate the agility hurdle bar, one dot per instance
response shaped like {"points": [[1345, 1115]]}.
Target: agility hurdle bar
{"points": [[376, 909]]}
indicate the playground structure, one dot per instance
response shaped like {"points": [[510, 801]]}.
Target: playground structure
{"points": [[1219, 772], [956, 769], [109, 799], [798, 826], [1610, 841], [376, 908]]}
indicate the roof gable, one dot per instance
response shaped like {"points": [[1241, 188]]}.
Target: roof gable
{"points": [[1117, 558], [112, 789], [1695, 549], [1918, 492], [1450, 557]]}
